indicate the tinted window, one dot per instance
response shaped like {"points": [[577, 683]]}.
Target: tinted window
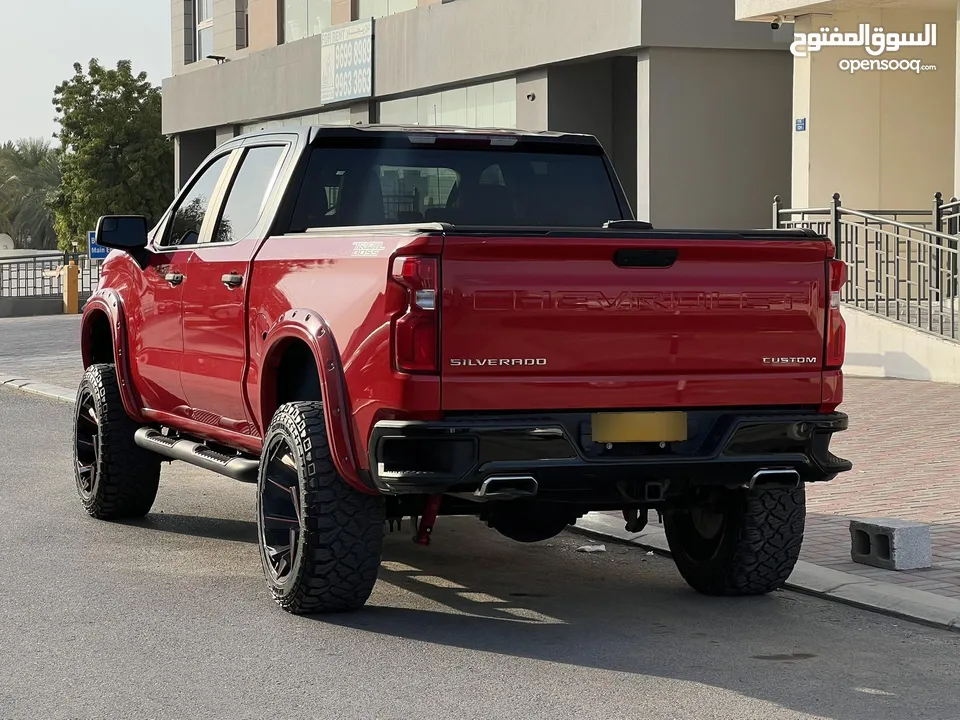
{"points": [[375, 186], [188, 217], [248, 194]]}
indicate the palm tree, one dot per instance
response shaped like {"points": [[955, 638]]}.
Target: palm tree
{"points": [[29, 177]]}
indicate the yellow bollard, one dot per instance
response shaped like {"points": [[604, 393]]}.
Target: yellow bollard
{"points": [[71, 289]]}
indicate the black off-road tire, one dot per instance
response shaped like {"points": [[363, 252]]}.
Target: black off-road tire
{"points": [[755, 549], [125, 477], [340, 541]]}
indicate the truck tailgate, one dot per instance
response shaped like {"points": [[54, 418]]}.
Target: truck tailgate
{"points": [[551, 322]]}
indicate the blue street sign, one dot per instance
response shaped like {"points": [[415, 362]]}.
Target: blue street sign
{"points": [[97, 252], [801, 124]]}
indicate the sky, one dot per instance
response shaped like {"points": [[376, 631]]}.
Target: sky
{"points": [[41, 39]]}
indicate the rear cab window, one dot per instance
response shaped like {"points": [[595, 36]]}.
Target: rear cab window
{"points": [[395, 181]]}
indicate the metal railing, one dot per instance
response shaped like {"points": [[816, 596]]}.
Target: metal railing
{"points": [[41, 275], [903, 271], [946, 215], [396, 203]]}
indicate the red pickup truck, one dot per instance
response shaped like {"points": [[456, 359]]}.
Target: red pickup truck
{"points": [[374, 323]]}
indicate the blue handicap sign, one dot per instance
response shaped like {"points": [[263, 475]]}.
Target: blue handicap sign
{"points": [[97, 252]]}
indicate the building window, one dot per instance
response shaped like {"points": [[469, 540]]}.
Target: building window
{"points": [[318, 16], [491, 105], [330, 117], [399, 112], [305, 18], [244, 17], [382, 8], [203, 13]]}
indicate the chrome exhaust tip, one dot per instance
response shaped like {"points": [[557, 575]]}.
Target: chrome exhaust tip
{"points": [[505, 487], [773, 477]]}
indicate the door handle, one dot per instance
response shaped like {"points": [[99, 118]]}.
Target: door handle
{"points": [[232, 280], [173, 278]]}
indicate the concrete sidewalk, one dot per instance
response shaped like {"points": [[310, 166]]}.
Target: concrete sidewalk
{"points": [[44, 349]]}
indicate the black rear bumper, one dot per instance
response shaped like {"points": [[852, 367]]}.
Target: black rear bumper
{"points": [[725, 448]]}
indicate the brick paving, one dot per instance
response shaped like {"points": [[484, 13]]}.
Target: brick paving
{"points": [[904, 441]]}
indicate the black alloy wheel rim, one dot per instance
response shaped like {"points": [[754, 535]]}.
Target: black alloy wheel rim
{"points": [[87, 441], [708, 522], [704, 527], [281, 514]]}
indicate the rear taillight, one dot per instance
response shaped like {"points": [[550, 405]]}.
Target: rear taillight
{"points": [[836, 340], [416, 332]]}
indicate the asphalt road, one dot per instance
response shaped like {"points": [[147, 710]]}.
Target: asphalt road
{"points": [[44, 348], [169, 618]]}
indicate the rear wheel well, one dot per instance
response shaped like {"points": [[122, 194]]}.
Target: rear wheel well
{"points": [[295, 378], [99, 340]]}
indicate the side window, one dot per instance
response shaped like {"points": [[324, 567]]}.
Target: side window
{"points": [[248, 193], [188, 217]]}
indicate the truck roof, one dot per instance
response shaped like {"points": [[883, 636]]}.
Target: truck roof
{"points": [[315, 132]]}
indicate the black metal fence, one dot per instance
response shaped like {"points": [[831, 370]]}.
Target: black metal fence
{"points": [[24, 276], [397, 203], [902, 264]]}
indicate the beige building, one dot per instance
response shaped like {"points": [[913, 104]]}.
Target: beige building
{"points": [[693, 106], [875, 120], [875, 97]]}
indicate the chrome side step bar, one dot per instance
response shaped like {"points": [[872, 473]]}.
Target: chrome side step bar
{"points": [[194, 453], [773, 477]]}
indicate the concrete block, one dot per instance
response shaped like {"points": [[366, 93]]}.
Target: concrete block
{"points": [[890, 544]]}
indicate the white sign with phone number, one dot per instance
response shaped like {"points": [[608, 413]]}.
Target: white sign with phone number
{"points": [[346, 67]]}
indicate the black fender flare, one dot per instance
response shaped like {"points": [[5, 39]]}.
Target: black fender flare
{"points": [[109, 302], [308, 326]]}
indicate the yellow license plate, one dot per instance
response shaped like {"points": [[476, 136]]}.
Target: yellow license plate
{"points": [[639, 427]]}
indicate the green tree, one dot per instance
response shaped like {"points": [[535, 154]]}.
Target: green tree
{"points": [[29, 181], [114, 158]]}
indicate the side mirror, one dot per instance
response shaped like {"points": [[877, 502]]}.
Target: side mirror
{"points": [[122, 232]]}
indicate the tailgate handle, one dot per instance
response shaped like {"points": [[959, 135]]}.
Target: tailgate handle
{"points": [[630, 258]]}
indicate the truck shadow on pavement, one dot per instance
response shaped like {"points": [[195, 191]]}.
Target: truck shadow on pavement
{"points": [[199, 526], [628, 612], [625, 611]]}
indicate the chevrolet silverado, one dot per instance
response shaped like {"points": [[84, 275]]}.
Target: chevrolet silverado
{"points": [[375, 323]]}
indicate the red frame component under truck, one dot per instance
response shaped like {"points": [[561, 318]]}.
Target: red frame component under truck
{"points": [[373, 323]]}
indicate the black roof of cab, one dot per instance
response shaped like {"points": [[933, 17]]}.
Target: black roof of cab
{"points": [[312, 133]]}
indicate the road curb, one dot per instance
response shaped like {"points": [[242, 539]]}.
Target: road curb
{"points": [[54, 392], [916, 605]]}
